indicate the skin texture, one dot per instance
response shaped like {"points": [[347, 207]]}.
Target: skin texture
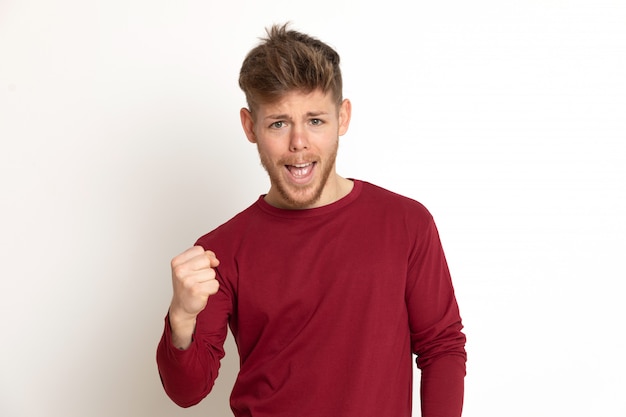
{"points": [[301, 130], [297, 139], [193, 281]]}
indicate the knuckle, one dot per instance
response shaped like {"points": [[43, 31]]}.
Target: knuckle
{"points": [[196, 250], [175, 262], [178, 271]]}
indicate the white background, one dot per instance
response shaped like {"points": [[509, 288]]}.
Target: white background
{"points": [[120, 144]]}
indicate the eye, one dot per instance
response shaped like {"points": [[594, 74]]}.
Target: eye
{"points": [[317, 122], [277, 125]]}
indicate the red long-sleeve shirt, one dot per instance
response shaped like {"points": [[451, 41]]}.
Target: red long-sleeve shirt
{"points": [[326, 306]]}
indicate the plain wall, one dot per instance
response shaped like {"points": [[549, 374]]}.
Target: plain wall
{"points": [[120, 144]]}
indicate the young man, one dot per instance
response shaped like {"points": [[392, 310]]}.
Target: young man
{"points": [[328, 284]]}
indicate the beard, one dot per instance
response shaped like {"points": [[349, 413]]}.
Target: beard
{"points": [[300, 196]]}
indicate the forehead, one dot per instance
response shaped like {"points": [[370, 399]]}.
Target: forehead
{"points": [[298, 102]]}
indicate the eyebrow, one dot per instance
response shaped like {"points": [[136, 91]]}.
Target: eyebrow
{"points": [[286, 116]]}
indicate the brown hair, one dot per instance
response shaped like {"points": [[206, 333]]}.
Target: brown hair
{"points": [[288, 60]]}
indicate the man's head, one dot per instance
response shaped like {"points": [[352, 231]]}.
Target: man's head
{"points": [[286, 61], [295, 117]]}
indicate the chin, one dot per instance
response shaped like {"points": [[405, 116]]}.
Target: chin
{"points": [[302, 198]]}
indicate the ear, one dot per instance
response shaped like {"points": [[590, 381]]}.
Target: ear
{"points": [[247, 122], [345, 112]]}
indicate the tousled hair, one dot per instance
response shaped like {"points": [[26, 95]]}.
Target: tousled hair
{"points": [[287, 60]]}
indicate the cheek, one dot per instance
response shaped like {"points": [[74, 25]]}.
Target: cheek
{"points": [[268, 150]]}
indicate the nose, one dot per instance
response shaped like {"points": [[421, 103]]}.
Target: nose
{"points": [[298, 140]]}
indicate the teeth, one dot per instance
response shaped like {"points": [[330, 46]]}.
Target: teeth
{"points": [[300, 170]]}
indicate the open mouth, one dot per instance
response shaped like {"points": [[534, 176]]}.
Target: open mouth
{"points": [[301, 171]]}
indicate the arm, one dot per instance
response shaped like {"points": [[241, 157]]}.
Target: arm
{"points": [[436, 326], [188, 364]]}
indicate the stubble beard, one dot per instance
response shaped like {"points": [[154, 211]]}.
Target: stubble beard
{"points": [[299, 197]]}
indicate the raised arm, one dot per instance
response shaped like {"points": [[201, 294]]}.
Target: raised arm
{"points": [[189, 359], [193, 281]]}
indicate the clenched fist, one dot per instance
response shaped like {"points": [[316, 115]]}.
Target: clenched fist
{"points": [[193, 281]]}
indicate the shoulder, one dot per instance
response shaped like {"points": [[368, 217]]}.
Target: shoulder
{"points": [[231, 229], [376, 196]]}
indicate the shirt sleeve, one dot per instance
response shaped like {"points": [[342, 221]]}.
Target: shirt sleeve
{"points": [[188, 375], [436, 328]]}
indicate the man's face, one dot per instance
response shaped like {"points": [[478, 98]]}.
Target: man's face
{"points": [[297, 139]]}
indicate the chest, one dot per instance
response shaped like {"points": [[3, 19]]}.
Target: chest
{"points": [[316, 279]]}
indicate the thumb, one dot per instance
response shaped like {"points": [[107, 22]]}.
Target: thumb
{"points": [[212, 258]]}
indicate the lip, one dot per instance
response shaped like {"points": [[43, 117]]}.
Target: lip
{"points": [[300, 173]]}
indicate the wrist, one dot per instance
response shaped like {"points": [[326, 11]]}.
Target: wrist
{"points": [[179, 317], [182, 326]]}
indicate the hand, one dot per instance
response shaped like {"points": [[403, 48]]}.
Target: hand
{"points": [[193, 281]]}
